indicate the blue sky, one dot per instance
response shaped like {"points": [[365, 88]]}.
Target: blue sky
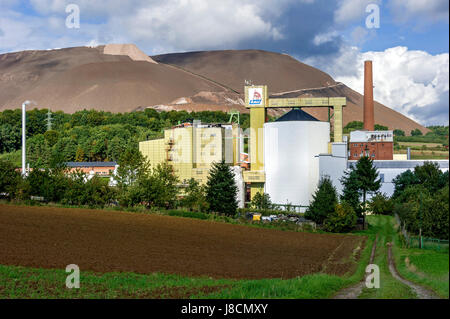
{"points": [[410, 49]]}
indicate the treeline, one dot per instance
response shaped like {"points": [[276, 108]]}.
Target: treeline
{"points": [[137, 185], [421, 199], [437, 134], [89, 135], [340, 213]]}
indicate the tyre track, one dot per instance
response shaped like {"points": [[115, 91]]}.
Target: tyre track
{"points": [[354, 291]]}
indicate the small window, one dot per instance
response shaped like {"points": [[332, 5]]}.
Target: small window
{"points": [[382, 178]]}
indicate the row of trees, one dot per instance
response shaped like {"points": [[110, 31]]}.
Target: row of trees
{"points": [[138, 184], [420, 199], [340, 214], [90, 135]]}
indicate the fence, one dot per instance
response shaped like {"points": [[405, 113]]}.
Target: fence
{"points": [[427, 243], [420, 241]]}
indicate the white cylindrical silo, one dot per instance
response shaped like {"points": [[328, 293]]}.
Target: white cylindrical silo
{"points": [[290, 162]]}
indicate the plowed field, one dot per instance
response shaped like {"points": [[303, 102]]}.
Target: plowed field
{"points": [[106, 241]]}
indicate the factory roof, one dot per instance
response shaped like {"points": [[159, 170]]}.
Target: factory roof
{"points": [[403, 164], [296, 115], [91, 164]]}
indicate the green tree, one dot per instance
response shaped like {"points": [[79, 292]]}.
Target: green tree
{"points": [[381, 204], [379, 127], [351, 192], [261, 201], [367, 176], [79, 155], [221, 190], [429, 175], [323, 202], [353, 126], [195, 196], [402, 181], [398, 132], [49, 183], [51, 137], [165, 185], [416, 132], [9, 178], [341, 220], [132, 165]]}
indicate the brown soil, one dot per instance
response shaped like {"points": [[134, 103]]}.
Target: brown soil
{"points": [[105, 241]]}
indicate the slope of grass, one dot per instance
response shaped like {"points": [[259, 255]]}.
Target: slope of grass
{"points": [[428, 268]]}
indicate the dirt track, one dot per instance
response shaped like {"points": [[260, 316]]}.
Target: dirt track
{"points": [[107, 241]]}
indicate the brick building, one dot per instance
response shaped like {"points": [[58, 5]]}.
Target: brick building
{"points": [[93, 168], [378, 145]]}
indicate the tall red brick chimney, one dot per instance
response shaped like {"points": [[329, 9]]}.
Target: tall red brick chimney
{"points": [[369, 121]]}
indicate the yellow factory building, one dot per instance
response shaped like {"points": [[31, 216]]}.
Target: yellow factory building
{"points": [[192, 148]]}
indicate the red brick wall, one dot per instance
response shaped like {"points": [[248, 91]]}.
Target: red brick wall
{"points": [[382, 150]]}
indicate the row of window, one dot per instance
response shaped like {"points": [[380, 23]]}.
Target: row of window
{"points": [[362, 145], [362, 154]]}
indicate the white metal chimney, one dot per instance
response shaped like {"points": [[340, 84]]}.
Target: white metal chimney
{"points": [[24, 147]]}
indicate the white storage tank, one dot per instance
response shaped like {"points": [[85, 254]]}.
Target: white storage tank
{"points": [[291, 145]]}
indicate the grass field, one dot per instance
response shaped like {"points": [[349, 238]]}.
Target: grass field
{"points": [[420, 144], [429, 268]]}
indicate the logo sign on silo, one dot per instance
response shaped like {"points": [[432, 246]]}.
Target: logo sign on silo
{"points": [[255, 96]]}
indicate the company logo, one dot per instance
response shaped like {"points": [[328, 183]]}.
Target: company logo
{"points": [[256, 97]]}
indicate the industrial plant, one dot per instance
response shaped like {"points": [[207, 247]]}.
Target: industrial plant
{"points": [[287, 157]]}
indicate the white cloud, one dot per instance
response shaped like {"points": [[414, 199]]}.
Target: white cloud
{"points": [[196, 24], [409, 81], [325, 37], [420, 10], [349, 11], [164, 25]]}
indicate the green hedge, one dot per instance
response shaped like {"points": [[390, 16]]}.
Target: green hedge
{"points": [[187, 214]]}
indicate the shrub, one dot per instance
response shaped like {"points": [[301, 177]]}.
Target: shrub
{"points": [[187, 214], [262, 201], [342, 220], [195, 197], [381, 204]]}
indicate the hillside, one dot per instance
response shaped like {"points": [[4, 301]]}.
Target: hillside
{"points": [[121, 78], [285, 77], [76, 78]]}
